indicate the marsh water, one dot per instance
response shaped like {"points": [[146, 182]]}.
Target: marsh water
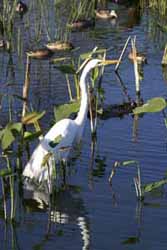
{"points": [[90, 213]]}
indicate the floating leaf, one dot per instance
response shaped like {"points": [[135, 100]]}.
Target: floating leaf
{"points": [[131, 240], [32, 117], [5, 171], [64, 111], [55, 142], [126, 163], [156, 104], [151, 186], [67, 69]]}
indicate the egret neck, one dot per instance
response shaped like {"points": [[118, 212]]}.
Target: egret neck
{"points": [[82, 114]]}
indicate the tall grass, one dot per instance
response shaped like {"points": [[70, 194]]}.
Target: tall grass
{"points": [[159, 5]]}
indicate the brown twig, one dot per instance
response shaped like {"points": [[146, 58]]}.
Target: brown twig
{"points": [[26, 86]]}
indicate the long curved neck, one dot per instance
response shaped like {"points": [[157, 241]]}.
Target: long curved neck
{"points": [[82, 114]]}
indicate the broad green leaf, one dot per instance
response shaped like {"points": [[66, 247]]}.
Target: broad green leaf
{"points": [[16, 126], [5, 171], [56, 141], [151, 186], [64, 110], [67, 69], [7, 138], [46, 158], [29, 136], [156, 104], [32, 117]]}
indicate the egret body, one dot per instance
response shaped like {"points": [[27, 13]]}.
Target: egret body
{"points": [[69, 130]]}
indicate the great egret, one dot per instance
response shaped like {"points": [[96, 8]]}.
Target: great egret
{"points": [[70, 132]]}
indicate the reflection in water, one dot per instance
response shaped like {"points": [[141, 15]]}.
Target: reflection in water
{"points": [[164, 72], [63, 207], [10, 240]]}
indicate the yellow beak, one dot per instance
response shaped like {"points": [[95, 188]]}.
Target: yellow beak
{"points": [[108, 62]]}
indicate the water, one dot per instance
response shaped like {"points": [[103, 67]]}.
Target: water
{"points": [[91, 214]]}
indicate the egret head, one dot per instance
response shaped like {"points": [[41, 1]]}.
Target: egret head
{"points": [[90, 64]]}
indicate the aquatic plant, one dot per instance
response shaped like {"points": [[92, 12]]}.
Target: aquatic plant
{"points": [[153, 105], [141, 189]]}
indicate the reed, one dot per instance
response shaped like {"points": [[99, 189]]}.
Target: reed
{"points": [[158, 5]]}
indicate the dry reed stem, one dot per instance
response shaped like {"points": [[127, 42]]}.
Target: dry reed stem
{"points": [[134, 52], [122, 53], [26, 86]]}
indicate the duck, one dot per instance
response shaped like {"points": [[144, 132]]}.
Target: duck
{"points": [[21, 8], [81, 24], [4, 44], [59, 45], [43, 53], [141, 58], [106, 14]]}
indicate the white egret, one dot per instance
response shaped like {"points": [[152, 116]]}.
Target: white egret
{"points": [[70, 132]]}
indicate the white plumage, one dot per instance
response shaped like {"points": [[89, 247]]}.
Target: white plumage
{"points": [[70, 131]]}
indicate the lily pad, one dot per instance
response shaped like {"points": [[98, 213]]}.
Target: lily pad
{"points": [[153, 105], [153, 185]]}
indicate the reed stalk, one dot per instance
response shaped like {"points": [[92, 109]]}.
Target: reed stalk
{"points": [[26, 86], [136, 72], [122, 54], [69, 88], [4, 199]]}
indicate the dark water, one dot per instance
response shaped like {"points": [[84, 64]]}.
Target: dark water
{"points": [[91, 214]]}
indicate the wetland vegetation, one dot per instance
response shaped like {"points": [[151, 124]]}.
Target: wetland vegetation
{"points": [[112, 192]]}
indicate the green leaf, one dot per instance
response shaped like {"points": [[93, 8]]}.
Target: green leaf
{"points": [[5, 171], [16, 126], [67, 69], [95, 74], [90, 53], [1, 133], [7, 138], [29, 136], [156, 104], [126, 163], [32, 117], [56, 141], [64, 111], [151, 186]]}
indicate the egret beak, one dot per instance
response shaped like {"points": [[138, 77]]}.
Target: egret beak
{"points": [[108, 62]]}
